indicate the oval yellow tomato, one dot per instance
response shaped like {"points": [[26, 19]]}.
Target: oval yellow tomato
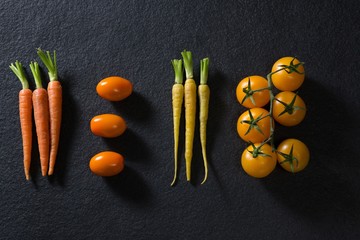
{"points": [[293, 155], [107, 164], [114, 88], [288, 79], [248, 94], [258, 162], [286, 111], [254, 125], [107, 125]]}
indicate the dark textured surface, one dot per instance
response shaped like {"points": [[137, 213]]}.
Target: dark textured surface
{"points": [[136, 40]]}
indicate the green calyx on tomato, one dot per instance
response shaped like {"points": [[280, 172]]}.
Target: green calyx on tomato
{"points": [[289, 108], [257, 150], [250, 92], [253, 123], [290, 158], [292, 67]]}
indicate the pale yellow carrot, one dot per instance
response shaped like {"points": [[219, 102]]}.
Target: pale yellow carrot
{"points": [[204, 97], [190, 110], [177, 101]]}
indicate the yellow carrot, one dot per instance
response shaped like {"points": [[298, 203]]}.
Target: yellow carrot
{"points": [[177, 100], [204, 97], [190, 110]]}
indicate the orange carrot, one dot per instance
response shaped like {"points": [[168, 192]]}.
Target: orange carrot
{"points": [[25, 112], [55, 105], [41, 116]]}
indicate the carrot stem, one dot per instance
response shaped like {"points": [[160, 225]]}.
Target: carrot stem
{"points": [[35, 69], [19, 71], [204, 70], [188, 64], [178, 69], [50, 63]]}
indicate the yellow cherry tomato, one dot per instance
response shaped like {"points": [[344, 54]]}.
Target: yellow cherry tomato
{"points": [[254, 125], [250, 99], [107, 125], [293, 155], [286, 111], [114, 88], [260, 162], [288, 79], [107, 164]]}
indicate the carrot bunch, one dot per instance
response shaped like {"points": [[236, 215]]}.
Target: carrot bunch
{"points": [[188, 93], [46, 106]]}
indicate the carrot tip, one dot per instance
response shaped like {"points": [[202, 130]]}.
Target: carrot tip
{"points": [[27, 177], [51, 171], [43, 172]]}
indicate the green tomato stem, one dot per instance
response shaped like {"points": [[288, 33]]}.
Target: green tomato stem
{"points": [[18, 69], [272, 125]]}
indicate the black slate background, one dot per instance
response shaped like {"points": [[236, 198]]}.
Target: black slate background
{"points": [[137, 40]]}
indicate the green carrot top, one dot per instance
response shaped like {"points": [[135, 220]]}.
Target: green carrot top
{"points": [[50, 63], [18, 69], [178, 69], [188, 64], [34, 66], [204, 70]]}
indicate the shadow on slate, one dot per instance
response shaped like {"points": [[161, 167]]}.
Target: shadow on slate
{"points": [[69, 125], [321, 191], [131, 146], [140, 113], [35, 168], [130, 186]]}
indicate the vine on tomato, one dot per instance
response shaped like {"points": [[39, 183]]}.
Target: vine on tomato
{"points": [[293, 155], [258, 160], [288, 109], [254, 125], [253, 92], [288, 74]]}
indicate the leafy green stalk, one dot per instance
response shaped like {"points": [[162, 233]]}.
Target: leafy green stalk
{"points": [[19, 71], [204, 70], [178, 69], [188, 64], [50, 63], [34, 66]]}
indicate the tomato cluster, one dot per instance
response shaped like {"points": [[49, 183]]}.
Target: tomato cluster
{"points": [[109, 163], [256, 125]]}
